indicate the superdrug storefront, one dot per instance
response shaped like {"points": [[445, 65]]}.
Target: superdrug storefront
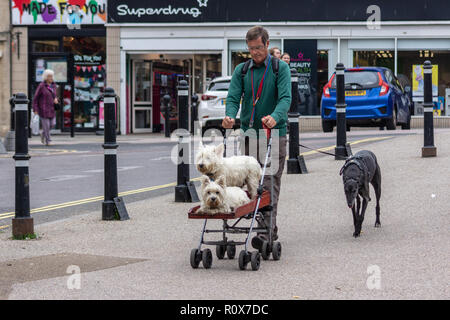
{"points": [[197, 40]]}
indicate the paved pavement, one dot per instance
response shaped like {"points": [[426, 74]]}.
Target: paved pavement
{"points": [[147, 257]]}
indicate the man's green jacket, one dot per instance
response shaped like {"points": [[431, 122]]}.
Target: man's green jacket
{"points": [[275, 100]]}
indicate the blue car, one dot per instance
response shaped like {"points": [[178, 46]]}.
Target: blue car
{"points": [[374, 98]]}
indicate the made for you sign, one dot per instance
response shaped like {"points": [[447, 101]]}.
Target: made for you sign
{"points": [[70, 12]]}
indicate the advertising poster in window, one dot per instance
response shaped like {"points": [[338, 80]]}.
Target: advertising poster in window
{"points": [[304, 58], [60, 70], [417, 81], [66, 12]]}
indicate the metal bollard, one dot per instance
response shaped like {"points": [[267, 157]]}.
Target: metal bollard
{"points": [[194, 112], [166, 102], [113, 207], [22, 223], [185, 190], [342, 150], [428, 150], [296, 163]]}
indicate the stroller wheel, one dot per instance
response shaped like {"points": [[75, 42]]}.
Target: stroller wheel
{"points": [[220, 251], [265, 250], [276, 253], [255, 260], [231, 251], [207, 258], [243, 260], [196, 257]]}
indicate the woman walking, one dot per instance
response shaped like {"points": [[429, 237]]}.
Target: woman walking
{"points": [[44, 101]]}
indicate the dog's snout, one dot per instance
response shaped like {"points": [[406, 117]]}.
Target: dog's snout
{"points": [[201, 165], [213, 198]]}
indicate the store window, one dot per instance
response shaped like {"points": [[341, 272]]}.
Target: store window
{"points": [[45, 46], [207, 68], [410, 64], [89, 69], [409, 69], [376, 58]]}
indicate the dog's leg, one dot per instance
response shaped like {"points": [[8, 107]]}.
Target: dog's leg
{"points": [[361, 215], [376, 183], [355, 212], [358, 202]]}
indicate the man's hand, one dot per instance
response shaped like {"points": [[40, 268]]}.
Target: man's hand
{"points": [[228, 123], [56, 101], [269, 121]]}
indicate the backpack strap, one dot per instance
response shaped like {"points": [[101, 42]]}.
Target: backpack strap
{"points": [[244, 72], [275, 68]]}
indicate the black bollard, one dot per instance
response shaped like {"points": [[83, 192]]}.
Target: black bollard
{"points": [[342, 150], [166, 102], [72, 121], [185, 190], [194, 112], [428, 150], [296, 163], [10, 136], [22, 223], [113, 207]]}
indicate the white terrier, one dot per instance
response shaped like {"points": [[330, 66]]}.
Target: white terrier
{"points": [[239, 171], [218, 198]]}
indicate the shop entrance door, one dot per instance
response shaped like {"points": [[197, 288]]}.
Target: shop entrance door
{"points": [[61, 64], [142, 96]]}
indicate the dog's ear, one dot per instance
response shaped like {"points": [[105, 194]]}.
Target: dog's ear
{"points": [[205, 180], [219, 150], [221, 182]]}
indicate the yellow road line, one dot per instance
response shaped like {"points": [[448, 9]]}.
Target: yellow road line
{"points": [[90, 200], [351, 143], [136, 191]]}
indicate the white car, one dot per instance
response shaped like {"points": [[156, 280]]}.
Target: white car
{"points": [[211, 109]]}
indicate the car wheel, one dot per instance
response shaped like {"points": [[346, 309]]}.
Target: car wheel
{"points": [[391, 123], [327, 126]]}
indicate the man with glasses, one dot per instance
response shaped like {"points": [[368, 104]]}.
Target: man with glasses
{"points": [[266, 98]]}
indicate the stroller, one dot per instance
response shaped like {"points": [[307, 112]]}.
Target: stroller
{"points": [[253, 210]]}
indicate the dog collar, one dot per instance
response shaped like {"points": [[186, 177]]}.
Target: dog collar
{"points": [[210, 176]]}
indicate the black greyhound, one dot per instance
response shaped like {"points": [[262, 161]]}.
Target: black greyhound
{"points": [[357, 172]]}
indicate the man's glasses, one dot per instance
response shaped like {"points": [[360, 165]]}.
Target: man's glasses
{"points": [[256, 48]]}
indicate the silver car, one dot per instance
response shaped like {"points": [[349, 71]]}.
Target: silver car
{"points": [[211, 109]]}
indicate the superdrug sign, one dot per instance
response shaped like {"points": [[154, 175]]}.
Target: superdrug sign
{"points": [[173, 11]]}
